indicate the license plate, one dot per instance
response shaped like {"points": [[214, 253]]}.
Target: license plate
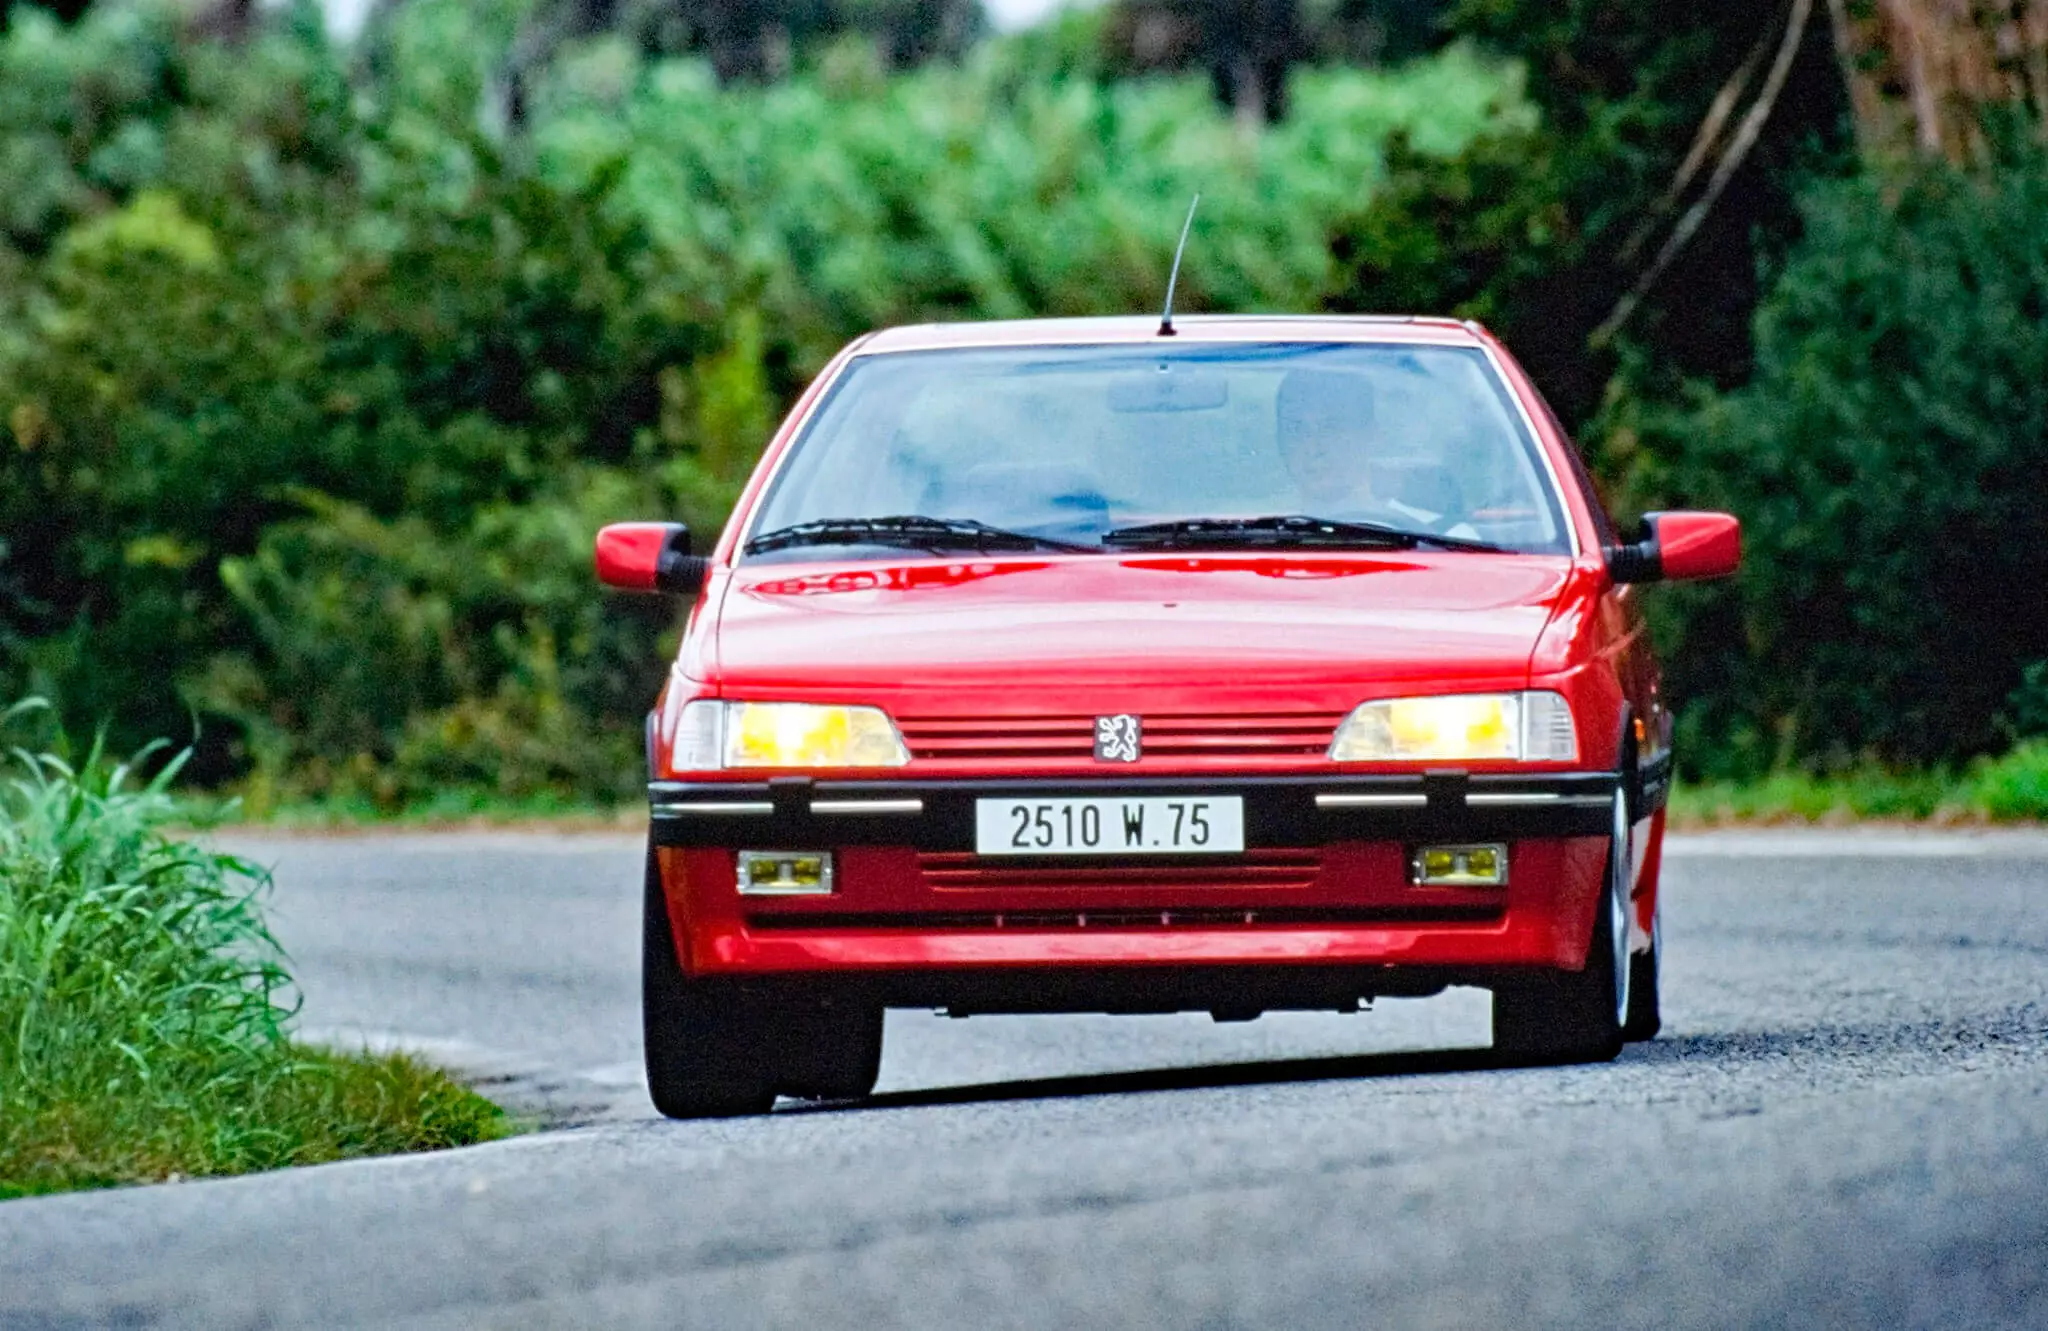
{"points": [[1136, 825]]}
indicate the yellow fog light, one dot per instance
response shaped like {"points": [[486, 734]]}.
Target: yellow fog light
{"points": [[791, 734], [1460, 866], [785, 873]]}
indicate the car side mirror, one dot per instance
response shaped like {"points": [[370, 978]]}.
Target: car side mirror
{"points": [[649, 557], [1679, 546]]}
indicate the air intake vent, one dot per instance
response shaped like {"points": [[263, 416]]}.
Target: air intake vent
{"points": [[1281, 870]]}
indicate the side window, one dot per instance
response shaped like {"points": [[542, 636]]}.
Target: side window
{"points": [[1608, 535]]}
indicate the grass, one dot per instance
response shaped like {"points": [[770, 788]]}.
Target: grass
{"points": [[455, 806], [2008, 789], [302, 1107], [145, 1008]]}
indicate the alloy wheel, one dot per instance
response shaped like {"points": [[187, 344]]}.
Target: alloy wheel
{"points": [[1620, 875]]}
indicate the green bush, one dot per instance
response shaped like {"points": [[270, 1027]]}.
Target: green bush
{"points": [[393, 661], [2026, 707], [305, 309], [1886, 460], [836, 204], [144, 1004], [2013, 787]]}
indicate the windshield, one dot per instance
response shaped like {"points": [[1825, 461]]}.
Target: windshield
{"points": [[1070, 445]]}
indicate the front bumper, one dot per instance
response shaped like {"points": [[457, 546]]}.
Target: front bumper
{"points": [[1278, 810], [1322, 887]]}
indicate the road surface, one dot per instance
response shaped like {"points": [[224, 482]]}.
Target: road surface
{"points": [[1846, 1123]]}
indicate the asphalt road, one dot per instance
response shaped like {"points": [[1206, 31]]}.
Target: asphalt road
{"points": [[1846, 1124]]}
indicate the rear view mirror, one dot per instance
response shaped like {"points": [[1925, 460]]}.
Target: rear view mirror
{"points": [[649, 557], [1681, 546]]}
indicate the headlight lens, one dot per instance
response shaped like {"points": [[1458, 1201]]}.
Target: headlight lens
{"points": [[794, 734], [1525, 727], [713, 735]]}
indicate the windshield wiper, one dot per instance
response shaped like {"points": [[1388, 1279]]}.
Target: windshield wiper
{"points": [[911, 531], [1283, 531]]}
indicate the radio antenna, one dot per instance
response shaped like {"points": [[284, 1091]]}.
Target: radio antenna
{"points": [[1173, 278]]}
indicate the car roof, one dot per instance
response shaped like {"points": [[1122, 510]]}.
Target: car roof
{"points": [[1189, 328]]}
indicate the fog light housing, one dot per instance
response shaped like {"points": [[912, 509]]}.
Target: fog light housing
{"points": [[1459, 866], [785, 873]]}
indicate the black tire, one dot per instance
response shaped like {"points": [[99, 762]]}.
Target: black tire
{"points": [[707, 1044], [1552, 1017], [1645, 1015], [833, 1051]]}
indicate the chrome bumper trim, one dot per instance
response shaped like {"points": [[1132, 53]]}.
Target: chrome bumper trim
{"points": [[858, 807], [1415, 801]]}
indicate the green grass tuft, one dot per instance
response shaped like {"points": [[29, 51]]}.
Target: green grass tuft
{"points": [[2015, 787], [144, 1005], [455, 806], [303, 1107], [2006, 789]]}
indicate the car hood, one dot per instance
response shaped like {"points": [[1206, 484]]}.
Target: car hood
{"points": [[1126, 625]]}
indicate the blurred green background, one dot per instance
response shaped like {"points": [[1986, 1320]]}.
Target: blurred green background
{"points": [[327, 339]]}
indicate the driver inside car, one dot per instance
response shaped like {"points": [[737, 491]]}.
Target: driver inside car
{"points": [[1329, 439]]}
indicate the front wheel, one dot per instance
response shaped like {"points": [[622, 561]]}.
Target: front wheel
{"points": [[834, 1050], [707, 1055], [1578, 1016], [716, 1048]]}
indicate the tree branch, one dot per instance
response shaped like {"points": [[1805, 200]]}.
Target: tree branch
{"points": [[1746, 135], [1702, 147]]}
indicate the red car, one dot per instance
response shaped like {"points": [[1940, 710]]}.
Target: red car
{"points": [[1085, 666]]}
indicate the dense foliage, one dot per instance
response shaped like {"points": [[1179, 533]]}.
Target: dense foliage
{"points": [[142, 1024], [319, 366], [316, 396], [1888, 457], [1542, 231]]}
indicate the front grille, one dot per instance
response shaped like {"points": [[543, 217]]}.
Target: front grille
{"points": [[1129, 918], [1068, 738], [1279, 870]]}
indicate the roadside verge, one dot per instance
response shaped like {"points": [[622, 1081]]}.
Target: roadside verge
{"points": [[145, 1009]]}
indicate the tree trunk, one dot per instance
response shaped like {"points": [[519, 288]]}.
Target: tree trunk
{"points": [[1921, 73]]}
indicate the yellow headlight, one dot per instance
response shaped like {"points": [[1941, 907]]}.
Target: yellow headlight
{"points": [[791, 734], [1458, 727]]}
